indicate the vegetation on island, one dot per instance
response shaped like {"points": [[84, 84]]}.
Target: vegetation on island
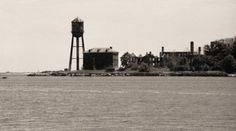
{"points": [[217, 56]]}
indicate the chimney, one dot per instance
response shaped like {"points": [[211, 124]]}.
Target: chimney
{"points": [[192, 47], [199, 50], [162, 49]]}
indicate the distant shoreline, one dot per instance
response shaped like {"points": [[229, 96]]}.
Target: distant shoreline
{"points": [[101, 73]]}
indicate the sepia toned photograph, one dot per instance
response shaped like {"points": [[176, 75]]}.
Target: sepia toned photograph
{"points": [[117, 65]]}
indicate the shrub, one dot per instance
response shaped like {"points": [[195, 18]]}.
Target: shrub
{"points": [[134, 66], [143, 67], [181, 68]]}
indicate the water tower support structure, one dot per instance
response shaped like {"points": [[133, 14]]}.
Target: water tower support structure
{"points": [[77, 32]]}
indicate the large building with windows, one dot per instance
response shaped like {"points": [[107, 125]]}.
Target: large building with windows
{"points": [[100, 58]]}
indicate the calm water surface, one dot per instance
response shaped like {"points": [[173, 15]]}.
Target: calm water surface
{"points": [[117, 103]]}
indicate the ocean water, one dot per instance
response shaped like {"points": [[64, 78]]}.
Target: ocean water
{"points": [[117, 103]]}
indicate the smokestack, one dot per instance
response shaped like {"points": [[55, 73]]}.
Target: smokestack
{"points": [[199, 50], [192, 47], [162, 49]]}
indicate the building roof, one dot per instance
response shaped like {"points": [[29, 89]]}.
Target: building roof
{"points": [[133, 55], [77, 20], [101, 50], [178, 53]]}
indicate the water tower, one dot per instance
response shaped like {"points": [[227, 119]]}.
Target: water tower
{"points": [[77, 33]]}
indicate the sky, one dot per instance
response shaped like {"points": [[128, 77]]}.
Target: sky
{"points": [[35, 34]]}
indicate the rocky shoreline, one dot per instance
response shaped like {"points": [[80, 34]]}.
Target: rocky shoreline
{"points": [[130, 73]]}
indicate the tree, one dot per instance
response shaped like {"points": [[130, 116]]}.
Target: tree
{"points": [[212, 63], [170, 62], [175, 63], [216, 54], [125, 59], [229, 64], [233, 51], [198, 63], [217, 49], [182, 61]]}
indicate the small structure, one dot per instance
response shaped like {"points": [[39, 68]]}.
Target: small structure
{"points": [[100, 58]]}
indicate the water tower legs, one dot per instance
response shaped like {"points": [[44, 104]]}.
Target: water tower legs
{"points": [[77, 46], [77, 53], [83, 43], [71, 53]]}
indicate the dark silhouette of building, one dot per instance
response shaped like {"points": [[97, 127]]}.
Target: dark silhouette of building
{"points": [[128, 58], [100, 58], [149, 59], [179, 53], [164, 55]]}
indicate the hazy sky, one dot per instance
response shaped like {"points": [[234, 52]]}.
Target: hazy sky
{"points": [[35, 34]]}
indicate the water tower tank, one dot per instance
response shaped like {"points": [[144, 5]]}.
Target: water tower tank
{"points": [[77, 27]]}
